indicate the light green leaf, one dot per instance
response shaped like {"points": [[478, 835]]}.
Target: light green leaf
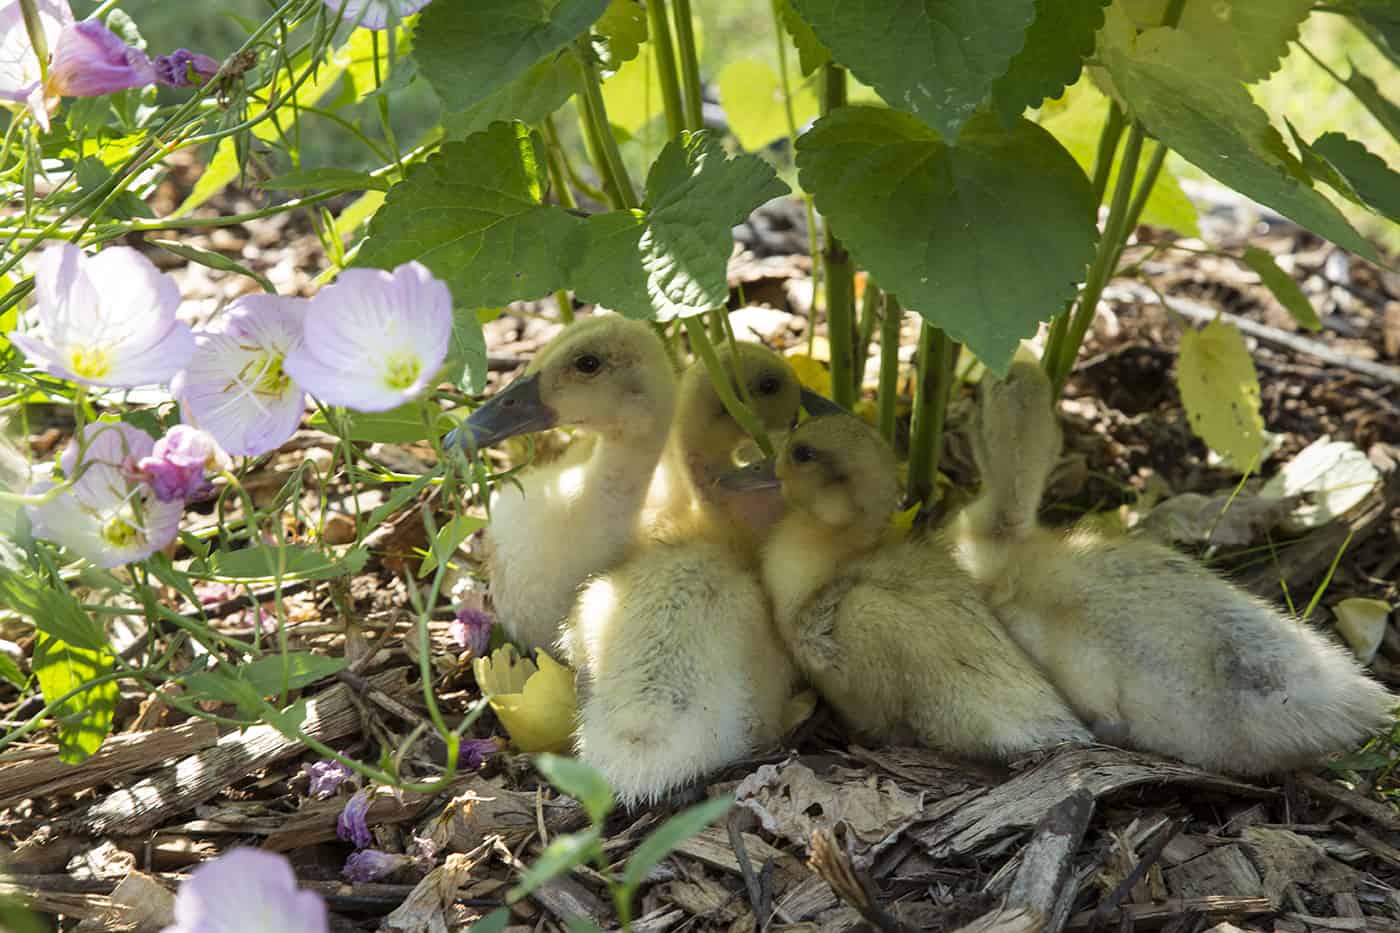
{"points": [[985, 239], [562, 855], [466, 50], [402, 425], [752, 95], [85, 719], [670, 260], [1057, 43], [1220, 391], [262, 563], [663, 840], [473, 214], [1374, 182], [466, 357], [632, 95], [10, 672], [53, 610], [581, 782], [213, 260], [293, 670], [326, 179], [1287, 291], [811, 54], [937, 59], [448, 537], [1248, 37], [623, 26], [530, 98], [1189, 101]]}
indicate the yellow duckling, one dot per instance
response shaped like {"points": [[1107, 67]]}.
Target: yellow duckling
{"points": [[578, 515], [902, 651], [1151, 649], [680, 671]]}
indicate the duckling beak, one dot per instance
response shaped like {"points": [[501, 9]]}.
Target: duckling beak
{"points": [[517, 409], [760, 475], [818, 405]]}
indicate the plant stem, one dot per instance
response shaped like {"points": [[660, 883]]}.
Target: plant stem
{"points": [[660, 28], [596, 122], [1113, 127], [938, 356], [840, 275], [888, 393], [870, 306], [1144, 190], [703, 348], [690, 67]]}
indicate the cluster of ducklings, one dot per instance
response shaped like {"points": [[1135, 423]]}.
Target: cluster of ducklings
{"points": [[694, 598]]}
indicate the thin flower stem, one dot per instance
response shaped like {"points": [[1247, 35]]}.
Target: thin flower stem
{"points": [[690, 67], [703, 348], [888, 393], [660, 35]]}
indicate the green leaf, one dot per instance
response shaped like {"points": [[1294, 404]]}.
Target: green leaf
{"points": [[1287, 291], [466, 356], [473, 214], [1374, 182], [1247, 37], [1220, 391], [224, 687], [494, 922], [402, 425], [937, 59], [1387, 113], [213, 260], [466, 50], [85, 719], [752, 95], [262, 563], [10, 672], [985, 239], [1057, 43], [624, 27], [1380, 21], [448, 537], [326, 179], [811, 54], [670, 261], [299, 668], [562, 855], [664, 839], [579, 781], [530, 98], [52, 609], [1193, 104]]}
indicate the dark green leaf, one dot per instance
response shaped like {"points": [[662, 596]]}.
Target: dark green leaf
{"points": [[811, 54], [530, 98], [225, 688], [214, 260], [466, 357], [1371, 97], [564, 854], [1284, 288], [326, 179], [985, 239], [1380, 21], [1057, 43], [579, 781], [937, 59], [300, 669], [664, 839], [1374, 182], [52, 609], [473, 214], [262, 563], [1193, 104], [468, 50], [494, 922], [85, 719], [402, 425]]}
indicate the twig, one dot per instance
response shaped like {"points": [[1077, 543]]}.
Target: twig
{"points": [[853, 887], [1371, 809], [751, 883], [1150, 855]]}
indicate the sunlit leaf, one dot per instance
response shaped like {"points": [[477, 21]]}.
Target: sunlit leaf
{"points": [[1249, 37], [1287, 291], [562, 855], [752, 95], [662, 841], [1220, 391], [265, 563], [623, 26], [85, 719], [1330, 477], [580, 781]]}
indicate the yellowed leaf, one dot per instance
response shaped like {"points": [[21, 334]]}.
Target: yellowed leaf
{"points": [[536, 705], [1220, 390], [811, 373], [1362, 623], [904, 521]]}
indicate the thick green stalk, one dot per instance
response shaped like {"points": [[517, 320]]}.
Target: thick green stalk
{"points": [[938, 356], [703, 348], [660, 29], [596, 124], [1144, 188], [840, 275], [559, 182], [888, 394], [690, 67], [1113, 127], [870, 305]]}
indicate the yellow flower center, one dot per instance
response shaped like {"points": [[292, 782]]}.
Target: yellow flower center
{"points": [[120, 533], [89, 362], [401, 370], [266, 374]]}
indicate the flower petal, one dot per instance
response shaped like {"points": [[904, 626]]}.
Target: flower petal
{"points": [[247, 891], [90, 60]]}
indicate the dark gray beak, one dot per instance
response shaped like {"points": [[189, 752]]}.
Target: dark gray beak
{"points": [[760, 475], [515, 410], [818, 405]]}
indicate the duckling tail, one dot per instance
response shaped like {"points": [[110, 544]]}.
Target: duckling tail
{"points": [[1016, 445]]}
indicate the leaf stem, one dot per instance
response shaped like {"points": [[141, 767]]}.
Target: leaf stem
{"points": [[660, 28], [840, 274], [938, 356], [888, 393], [870, 309], [596, 124], [703, 348], [690, 67], [1113, 126]]}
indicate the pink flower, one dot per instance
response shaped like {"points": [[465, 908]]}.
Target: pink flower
{"points": [[175, 468], [375, 14], [352, 825], [473, 752], [374, 340], [371, 864], [236, 386], [106, 515], [182, 68], [21, 75], [247, 891], [105, 320], [90, 60], [472, 631], [325, 777]]}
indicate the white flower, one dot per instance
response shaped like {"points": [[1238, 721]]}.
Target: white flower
{"points": [[247, 891], [107, 514], [236, 386], [20, 78], [105, 320], [375, 14], [374, 340]]}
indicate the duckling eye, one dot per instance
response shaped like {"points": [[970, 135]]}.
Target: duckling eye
{"points": [[588, 364], [768, 385], [803, 454]]}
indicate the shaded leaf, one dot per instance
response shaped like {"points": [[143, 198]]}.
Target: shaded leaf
{"points": [[213, 260], [1057, 42], [292, 671], [941, 226], [811, 54], [402, 425], [562, 855], [10, 672], [53, 610], [1220, 391], [447, 539], [579, 781], [537, 93], [1287, 291], [494, 922], [326, 179], [266, 563], [85, 719], [1373, 100], [662, 841], [466, 364], [1374, 182]]}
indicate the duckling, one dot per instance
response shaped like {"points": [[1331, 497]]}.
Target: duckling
{"points": [[580, 514], [1153, 650], [902, 651], [680, 669]]}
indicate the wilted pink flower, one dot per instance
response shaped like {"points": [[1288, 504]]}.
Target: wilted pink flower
{"points": [[374, 340], [371, 865], [182, 68], [472, 630], [21, 74], [175, 468], [473, 752], [352, 824], [90, 60], [247, 891], [375, 14], [105, 320], [325, 777], [236, 385], [106, 515]]}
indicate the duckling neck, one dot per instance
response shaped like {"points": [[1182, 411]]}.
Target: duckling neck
{"points": [[623, 464], [805, 554]]}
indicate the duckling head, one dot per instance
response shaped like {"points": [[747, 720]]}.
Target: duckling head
{"points": [[607, 374], [838, 470], [708, 435]]}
